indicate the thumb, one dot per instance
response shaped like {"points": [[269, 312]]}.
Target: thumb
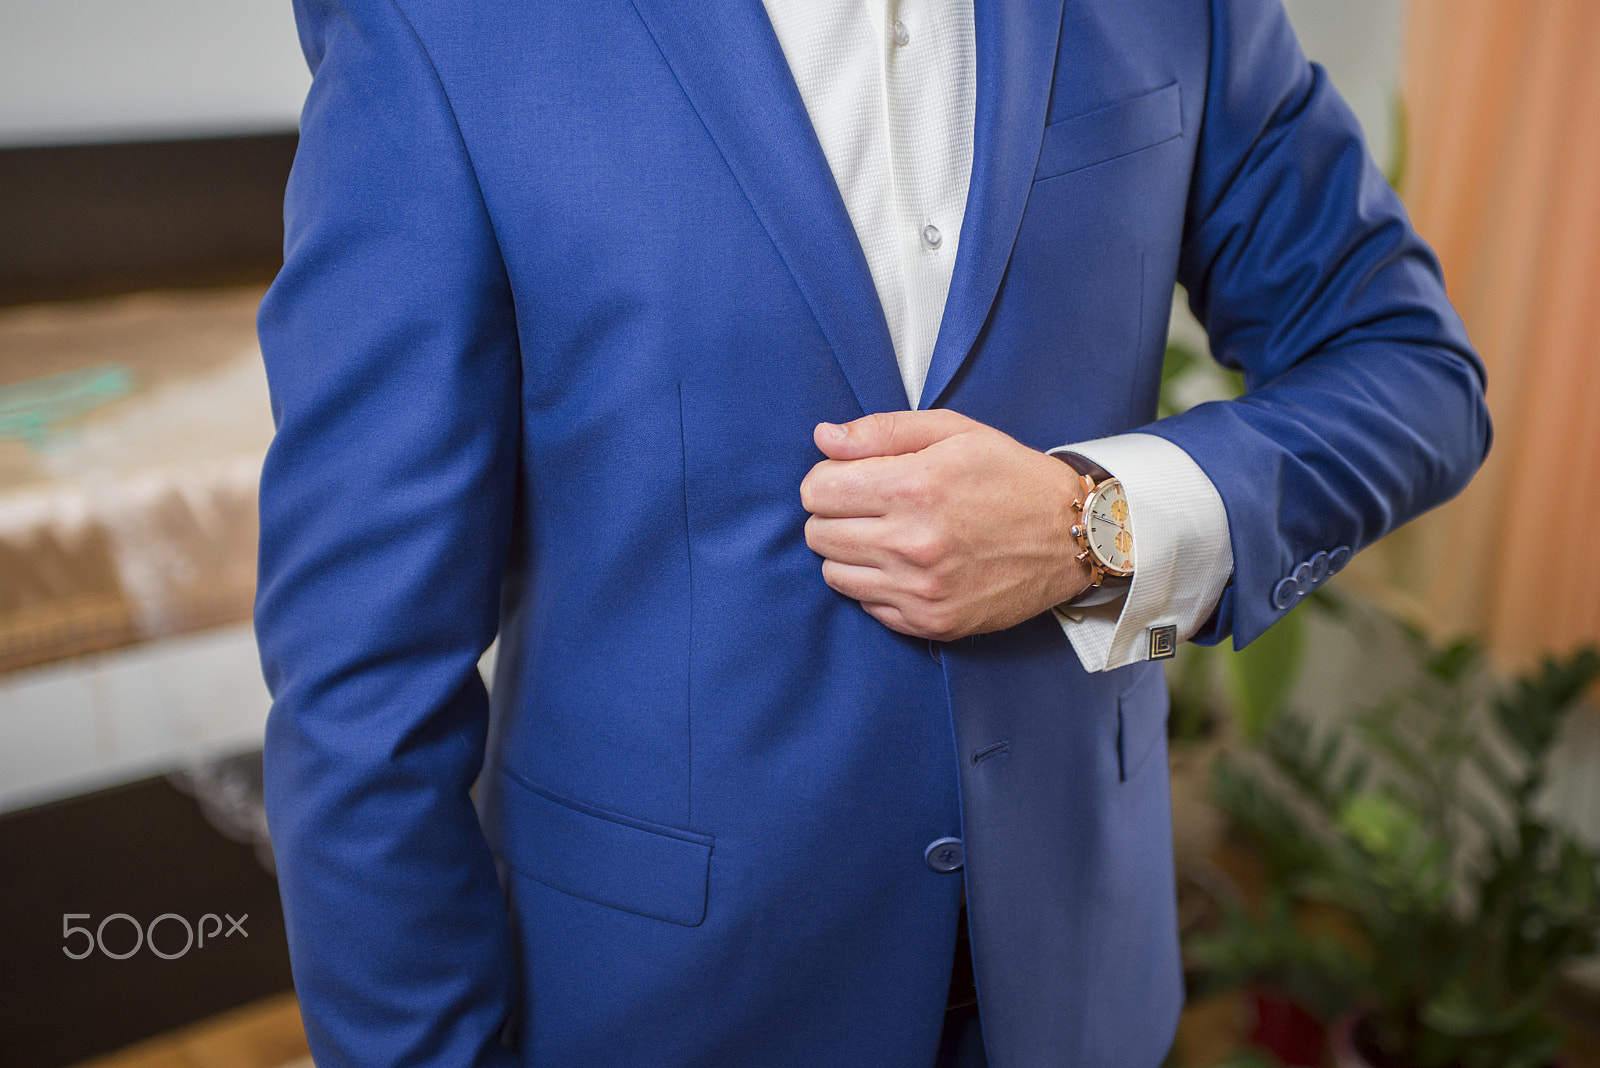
{"points": [[889, 433]]}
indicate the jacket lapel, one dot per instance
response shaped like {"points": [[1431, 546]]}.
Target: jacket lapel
{"points": [[730, 65], [1016, 53]]}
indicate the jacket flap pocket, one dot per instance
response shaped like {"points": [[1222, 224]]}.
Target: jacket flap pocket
{"points": [[1141, 719], [601, 856], [1104, 134]]}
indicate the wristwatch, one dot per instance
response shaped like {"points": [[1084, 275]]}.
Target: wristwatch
{"points": [[1101, 529]]}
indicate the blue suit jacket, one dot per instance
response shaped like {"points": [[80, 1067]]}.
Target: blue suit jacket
{"points": [[567, 287]]}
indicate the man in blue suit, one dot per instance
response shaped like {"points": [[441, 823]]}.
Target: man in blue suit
{"points": [[704, 353]]}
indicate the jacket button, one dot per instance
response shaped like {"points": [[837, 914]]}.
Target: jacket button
{"points": [[1302, 579], [1337, 559], [945, 855], [1319, 566], [1284, 594]]}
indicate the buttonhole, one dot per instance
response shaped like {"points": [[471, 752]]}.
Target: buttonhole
{"points": [[990, 751]]}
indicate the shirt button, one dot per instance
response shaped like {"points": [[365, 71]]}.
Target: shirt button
{"points": [[931, 236], [945, 855], [902, 36]]}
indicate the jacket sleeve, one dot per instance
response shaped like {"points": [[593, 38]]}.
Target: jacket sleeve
{"points": [[385, 515], [1365, 401]]}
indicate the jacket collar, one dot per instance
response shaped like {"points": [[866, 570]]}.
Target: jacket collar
{"points": [[730, 65]]}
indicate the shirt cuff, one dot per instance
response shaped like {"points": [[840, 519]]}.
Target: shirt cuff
{"points": [[1182, 557]]}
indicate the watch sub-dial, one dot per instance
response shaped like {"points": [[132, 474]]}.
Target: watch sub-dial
{"points": [[1109, 531]]}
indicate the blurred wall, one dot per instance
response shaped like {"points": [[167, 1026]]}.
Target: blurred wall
{"points": [[1504, 181], [80, 71], [74, 71], [1360, 44]]}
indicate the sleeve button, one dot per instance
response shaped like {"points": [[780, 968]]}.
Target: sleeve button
{"points": [[1319, 567], [1302, 579]]}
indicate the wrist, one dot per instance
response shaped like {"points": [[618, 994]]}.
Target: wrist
{"points": [[1101, 532], [1082, 465]]}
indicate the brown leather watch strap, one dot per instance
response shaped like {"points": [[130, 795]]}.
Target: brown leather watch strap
{"points": [[1083, 465]]}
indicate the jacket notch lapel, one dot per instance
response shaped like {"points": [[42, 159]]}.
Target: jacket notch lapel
{"points": [[1017, 42], [727, 59]]}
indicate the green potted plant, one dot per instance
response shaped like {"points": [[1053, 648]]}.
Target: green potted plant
{"points": [[1448, 902]]}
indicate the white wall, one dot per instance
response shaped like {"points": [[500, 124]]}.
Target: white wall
{"points": [[1359, 42], [124, 70], [116, 70]]}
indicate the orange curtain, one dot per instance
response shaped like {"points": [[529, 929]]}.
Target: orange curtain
{"points": [[1503, 178]]}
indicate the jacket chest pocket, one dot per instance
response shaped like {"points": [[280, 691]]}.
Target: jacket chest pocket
{"points": [[1110, 132]]}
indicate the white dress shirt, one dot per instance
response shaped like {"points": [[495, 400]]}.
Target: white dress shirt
{"points": [[891, 89]]}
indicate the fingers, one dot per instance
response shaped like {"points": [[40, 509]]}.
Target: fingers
{"points": [[847, 541], [938, 525], [892, 607], [892, 617], [871, 486], [889, 433], [856, 581]]}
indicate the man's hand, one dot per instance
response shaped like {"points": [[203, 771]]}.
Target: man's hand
{"points": [[939, 525]]}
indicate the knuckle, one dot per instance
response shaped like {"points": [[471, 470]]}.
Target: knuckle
{"points": [[925, 548], [931, 588], [856, 481], [916, 489], [878, 425]]}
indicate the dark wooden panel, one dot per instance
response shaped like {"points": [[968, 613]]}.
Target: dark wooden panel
{"points": [[143, 849], [87, 220]]}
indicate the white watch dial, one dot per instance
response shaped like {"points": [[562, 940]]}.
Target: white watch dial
{"points": [[1110, 535]]}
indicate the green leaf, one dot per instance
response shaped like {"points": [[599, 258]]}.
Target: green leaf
{"points": [[1179, 360], [1531, 713], [1380, 824], [1262, 673]]}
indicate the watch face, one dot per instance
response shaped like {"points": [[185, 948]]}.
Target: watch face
{"points": [[1109, 534]]}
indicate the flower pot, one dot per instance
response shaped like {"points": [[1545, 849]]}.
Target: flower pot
{"points": [[1284, 1029]]}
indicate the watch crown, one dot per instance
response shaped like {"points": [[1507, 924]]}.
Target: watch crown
{"points": [[1076, 531]]}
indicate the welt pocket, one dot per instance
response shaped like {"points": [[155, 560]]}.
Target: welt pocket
{"points": [[1141, 719], [1110, 132], [599, 855]]}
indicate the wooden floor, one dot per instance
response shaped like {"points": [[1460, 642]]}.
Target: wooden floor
{"points": [[267, 1034]]}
